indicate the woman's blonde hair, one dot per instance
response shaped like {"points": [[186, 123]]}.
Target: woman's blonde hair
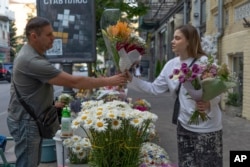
{"points": [[194, 48]]}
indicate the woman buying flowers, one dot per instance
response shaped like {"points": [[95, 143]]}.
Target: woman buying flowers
{"points": [[198, 144]]}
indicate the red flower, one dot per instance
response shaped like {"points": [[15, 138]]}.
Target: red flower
{"points": [[129, 47]]}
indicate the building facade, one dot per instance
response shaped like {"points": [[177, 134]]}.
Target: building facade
{"points": [[6, 16], [23, 10], [226, 20], [231, 20]]}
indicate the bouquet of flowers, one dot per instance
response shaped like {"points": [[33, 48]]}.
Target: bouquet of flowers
{"points": [[65, 98], [110, 93], [78, 149], [152, 155], [124, 45], [116, 132], [204, 82], [142, 105]]}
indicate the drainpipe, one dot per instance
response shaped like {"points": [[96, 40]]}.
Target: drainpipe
{"points": [[185, 12], [197, 14], [220, 22], [218, 36]]}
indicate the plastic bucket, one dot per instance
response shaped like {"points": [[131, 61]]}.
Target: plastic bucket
{"points": [[48, 150]]}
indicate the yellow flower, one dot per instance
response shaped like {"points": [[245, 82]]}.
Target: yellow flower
{"points": [[120, 31]]}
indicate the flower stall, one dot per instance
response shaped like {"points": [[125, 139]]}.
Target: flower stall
{"points": [[117, 132]]}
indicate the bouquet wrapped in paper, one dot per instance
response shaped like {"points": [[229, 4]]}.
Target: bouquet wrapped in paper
{"points": [[204, 82], [217, 85], [127, 59], [124, 45]]}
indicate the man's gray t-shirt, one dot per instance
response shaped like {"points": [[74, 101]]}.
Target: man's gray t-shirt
{"points": [[31, 72]]}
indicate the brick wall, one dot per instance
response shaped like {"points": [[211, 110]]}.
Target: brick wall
{"points": [[235, 39]]}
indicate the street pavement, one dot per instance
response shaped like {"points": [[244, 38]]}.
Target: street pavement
{"points": [[236, 130]]}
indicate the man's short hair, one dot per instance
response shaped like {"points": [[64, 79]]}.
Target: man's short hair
{"points": [[36, 24]]}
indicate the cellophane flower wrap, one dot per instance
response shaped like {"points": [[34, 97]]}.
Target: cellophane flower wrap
{"points": [[116, 132], [203, 82], [124, 45]]}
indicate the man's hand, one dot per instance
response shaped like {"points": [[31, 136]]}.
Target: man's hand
{"points": [[59, 104], [128, 75]]}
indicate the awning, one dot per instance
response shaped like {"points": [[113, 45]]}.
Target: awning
{"points": [[156, 12]]}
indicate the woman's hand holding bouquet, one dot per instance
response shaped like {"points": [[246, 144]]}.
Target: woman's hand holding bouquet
{"points": [[204, 82]]}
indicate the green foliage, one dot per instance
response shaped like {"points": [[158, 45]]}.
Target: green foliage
{"points": [[13, 39], [16, 42], [159, 66], [233, 99]]}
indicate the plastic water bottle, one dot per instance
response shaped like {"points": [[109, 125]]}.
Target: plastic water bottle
{"points": [[66, 130]]}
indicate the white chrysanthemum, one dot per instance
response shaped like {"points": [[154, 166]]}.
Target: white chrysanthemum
{"points": [[100, 125], [77, 147], [137, 113], [75, 124], [136, 122], [99, 112], [122, 114], [67, 142], [82, 155], [86, 104], [119, 104], [133, 113], [116, 124], [88, 123], [111, 114], [86, 111], [75, 138], [91, 103], [149, 116], [85, 142], [83, 116]]}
